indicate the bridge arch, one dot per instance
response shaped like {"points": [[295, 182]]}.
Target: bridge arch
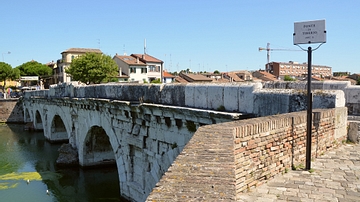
{"points": [[27, 115], [58, 131], [38, 121], [97, 149], [86, 137]]}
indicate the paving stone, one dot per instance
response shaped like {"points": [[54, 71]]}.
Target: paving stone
{"points": [[336, 178]]}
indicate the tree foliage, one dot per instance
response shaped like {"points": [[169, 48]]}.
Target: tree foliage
{"points": [[216, 72], [34, 68], [288, 78], [92, 68], [358, 81], [8, 73]]}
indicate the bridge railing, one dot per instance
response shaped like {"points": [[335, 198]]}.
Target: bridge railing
{"points": [[249, 98], [352, 92]]}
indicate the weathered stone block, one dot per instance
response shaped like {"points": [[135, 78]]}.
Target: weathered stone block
{"points": [[173, 95], [354, 131], [231, 98], [215, 94]]}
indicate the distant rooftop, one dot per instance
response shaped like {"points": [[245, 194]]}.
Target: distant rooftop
{"points": [[130, 60], [146, 58], [82, 50]]}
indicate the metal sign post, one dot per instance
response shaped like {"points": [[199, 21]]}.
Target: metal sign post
{"points": [[309, 32]]}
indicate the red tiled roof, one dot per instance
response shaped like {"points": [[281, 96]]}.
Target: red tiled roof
{"points": [[234, 76], [146, 58], [266, 76], [130, 60], [168, 75], [344, 78], [180, 80], [82, 50], [195, 77], [221, 80]]}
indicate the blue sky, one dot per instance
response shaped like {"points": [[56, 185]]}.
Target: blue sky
{"points": [[201, 35]]}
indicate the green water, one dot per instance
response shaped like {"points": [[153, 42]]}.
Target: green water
{"points": [[28, 172]]}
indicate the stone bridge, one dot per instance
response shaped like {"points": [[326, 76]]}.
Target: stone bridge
{"points": [[143, 128]]}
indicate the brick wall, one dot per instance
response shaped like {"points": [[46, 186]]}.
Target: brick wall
{"points": [[223, 160], [11, 111]]}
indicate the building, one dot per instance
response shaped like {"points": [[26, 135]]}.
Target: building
{"points": [[244, 75], [167, 77], [281, 69], [198, 78], [154, 66], [214, 76], [53, 79], [356, 77], [65, 61], [131, 69], [264, 76], [232, 77], [140, 68], [238, 76]]}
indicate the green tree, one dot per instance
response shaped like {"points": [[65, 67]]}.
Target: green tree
{"points": [[7, 72], [92, 68], [216, 72], [34, 68], [358, 81], [288, 78]]}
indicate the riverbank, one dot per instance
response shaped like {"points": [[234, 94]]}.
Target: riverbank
{"points": [[11, 110]]}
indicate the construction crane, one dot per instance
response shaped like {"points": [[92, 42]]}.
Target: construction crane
{"points": [[268, 49]]}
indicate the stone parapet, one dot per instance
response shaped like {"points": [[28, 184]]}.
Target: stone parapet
{"points": [[248, 98], [302, 85], [351, 92], [221, 161]]}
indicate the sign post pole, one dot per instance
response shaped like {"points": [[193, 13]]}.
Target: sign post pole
{"points": [[309, 113], [309, 32]]}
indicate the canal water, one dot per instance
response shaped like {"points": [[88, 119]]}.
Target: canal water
{"points": [[28, 172]]}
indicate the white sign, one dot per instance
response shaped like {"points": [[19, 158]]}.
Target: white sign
{"points": [[309, 32], [29, 78]]}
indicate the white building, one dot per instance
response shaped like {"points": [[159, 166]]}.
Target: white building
{"points": [[131, 69], [139, 67]]}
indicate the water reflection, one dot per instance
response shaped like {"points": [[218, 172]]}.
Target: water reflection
{"points": [[25, 155]]}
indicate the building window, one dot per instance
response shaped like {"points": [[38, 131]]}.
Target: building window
{"points": [[144, 70], [152, 68], [132, 70]]}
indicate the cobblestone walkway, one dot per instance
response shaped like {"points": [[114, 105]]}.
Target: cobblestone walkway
{"points": [[336, 177]]}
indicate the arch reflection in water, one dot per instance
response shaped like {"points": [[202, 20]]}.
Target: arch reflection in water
{"points": [[28, 152]]}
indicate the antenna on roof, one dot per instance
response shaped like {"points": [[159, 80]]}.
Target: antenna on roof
{"points": [[144, 46], [98, 43], [124, 50]]}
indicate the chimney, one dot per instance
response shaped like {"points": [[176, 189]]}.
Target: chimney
{"points": [[137, 60]]}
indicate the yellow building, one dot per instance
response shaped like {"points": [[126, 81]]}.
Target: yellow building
{"points": [[67, 56]]}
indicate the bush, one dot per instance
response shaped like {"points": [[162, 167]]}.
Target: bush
{"points": [[288, 78], [156, 81]]}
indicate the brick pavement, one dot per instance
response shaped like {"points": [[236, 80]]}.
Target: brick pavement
{"points": [[335, 177]]}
